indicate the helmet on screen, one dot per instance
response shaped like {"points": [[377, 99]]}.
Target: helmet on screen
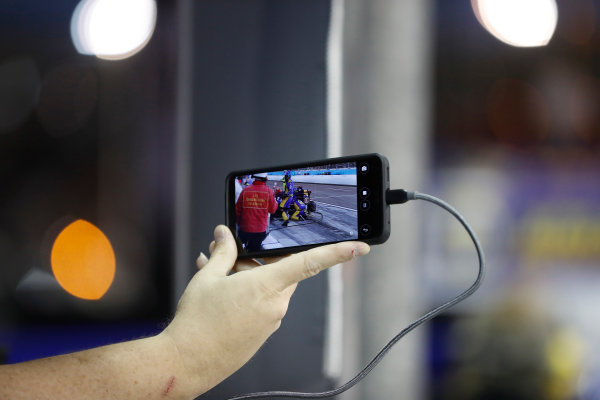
{"points": [[262, 176]]}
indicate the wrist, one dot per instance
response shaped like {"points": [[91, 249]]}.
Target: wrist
{"points": [[192, 361]]}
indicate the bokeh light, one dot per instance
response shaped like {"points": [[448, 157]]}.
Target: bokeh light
{"points": [[582, 108], [19, 87], [517, 113], [113, 29], [83, 260], [67, 98], [522, 23]]}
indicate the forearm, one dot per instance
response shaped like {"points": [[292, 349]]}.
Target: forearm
{"points": [[221, 321], [146, 369]]}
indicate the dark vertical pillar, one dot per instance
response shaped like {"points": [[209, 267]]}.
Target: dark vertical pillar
{"points": [[258, 80]]}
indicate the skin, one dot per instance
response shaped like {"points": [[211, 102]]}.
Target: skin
{"points": [[228, 310]]}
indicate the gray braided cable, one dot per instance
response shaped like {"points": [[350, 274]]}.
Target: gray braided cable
{"points": [[426, 317]]}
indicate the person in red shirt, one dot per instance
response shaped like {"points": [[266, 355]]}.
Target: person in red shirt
{"points": [[252, 211]]}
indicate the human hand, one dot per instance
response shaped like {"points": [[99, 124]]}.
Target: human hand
{"points": [[223, 319]]}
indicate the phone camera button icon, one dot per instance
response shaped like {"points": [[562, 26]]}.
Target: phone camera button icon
{"points": [[364, 168], [365, 192], [365, 205], [365, 229]]}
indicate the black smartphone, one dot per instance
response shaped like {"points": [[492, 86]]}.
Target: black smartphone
{"points": [[289, 208]]}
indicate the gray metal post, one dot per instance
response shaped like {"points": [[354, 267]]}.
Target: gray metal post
{"points": [[386, 95]]}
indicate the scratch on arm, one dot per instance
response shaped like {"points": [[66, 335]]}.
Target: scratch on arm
{"points": [[169, 386]]}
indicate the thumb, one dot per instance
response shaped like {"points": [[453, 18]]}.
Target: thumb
{"points": [[224, 253]]}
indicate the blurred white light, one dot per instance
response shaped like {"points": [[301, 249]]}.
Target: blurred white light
{"points": [[112, 29], [522, 23]]}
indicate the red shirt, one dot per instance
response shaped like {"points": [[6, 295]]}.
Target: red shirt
{"points": [[253, 207]]}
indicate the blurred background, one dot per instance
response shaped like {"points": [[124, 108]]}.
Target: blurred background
{"points": [[119, 121]]}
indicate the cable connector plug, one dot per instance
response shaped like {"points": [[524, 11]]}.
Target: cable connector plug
{"points": [[398, 196]]}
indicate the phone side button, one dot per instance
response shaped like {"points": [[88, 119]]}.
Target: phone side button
{"points": [[365, 230], [365, 205]]}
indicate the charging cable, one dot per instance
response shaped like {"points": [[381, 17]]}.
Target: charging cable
{"points": [[394, 197]]}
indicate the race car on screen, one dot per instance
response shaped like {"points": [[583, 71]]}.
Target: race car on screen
{"points": [[296, 207]]}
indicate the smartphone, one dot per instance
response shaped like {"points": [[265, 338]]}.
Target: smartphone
{"points": [[289, 208]]}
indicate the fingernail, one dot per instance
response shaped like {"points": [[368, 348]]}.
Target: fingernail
{"points": [[219, 234], [202, 260], [361, 250]]}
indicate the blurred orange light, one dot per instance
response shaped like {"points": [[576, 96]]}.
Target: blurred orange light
{"points": [[83, 260]]}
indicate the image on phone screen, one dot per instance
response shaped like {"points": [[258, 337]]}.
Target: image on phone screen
{"points": [[309, 206]]}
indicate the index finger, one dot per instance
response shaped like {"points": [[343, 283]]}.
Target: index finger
{"points": [[300, 266]]}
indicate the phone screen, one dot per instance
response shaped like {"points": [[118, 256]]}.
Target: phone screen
{"points": [[286, 209]]}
